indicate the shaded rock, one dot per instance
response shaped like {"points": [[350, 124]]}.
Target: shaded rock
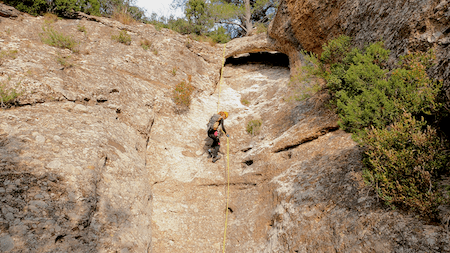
{"points": [[8, 11]]}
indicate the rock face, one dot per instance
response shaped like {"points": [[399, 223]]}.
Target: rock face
{"points": [[74, 164], [405, 26], [96, 157]]}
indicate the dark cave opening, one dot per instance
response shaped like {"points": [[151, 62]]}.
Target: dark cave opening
{"points": [[272, 58]]}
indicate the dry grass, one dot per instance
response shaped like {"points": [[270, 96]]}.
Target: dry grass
{"points": [[124, 17], [54, 38], [50, 18], [146, 44]]}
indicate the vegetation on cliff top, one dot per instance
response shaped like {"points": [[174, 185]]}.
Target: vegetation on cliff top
{"points": [[393, 114], [123, 10]]}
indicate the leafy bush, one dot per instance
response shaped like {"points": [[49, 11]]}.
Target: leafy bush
{"points": [[220, 35], [59, 7], [182, 93], [364, 92], [57, 39], [382, 108], [254, 126], [7, 95], [123, 37], [402, 162]]}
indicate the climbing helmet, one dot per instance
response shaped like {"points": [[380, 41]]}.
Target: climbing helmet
{"points": [[224, 114]]}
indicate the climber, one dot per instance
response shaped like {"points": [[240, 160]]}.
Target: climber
{"points": [[213, 132]]}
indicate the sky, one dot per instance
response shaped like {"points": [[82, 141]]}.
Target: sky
{"points": [[162, 7]]}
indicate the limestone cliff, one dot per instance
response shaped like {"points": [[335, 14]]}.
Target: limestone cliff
{"points": [[95, 156]]}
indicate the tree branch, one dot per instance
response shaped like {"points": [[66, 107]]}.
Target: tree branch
{"points": [[232, 23]]}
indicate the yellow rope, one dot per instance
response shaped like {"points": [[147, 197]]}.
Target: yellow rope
{"points": [[221, 75], [228, 155], [228, 195]]}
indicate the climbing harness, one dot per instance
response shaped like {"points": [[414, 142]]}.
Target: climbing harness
{"points": [[228, 156]]}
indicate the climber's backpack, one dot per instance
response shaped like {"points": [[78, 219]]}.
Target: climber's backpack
{"points": [[212, 121]]}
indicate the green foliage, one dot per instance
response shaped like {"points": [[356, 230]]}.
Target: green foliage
{"points": [[303, 85], [402, 162], [8, 95], [123, 37], [245, 101], [261, 28], [182, 94], [381, 107], [57, 39], [202, 15], [198, 15], [254, 126], [64, 8], [124, 10], [364, 92], [219, 35]]}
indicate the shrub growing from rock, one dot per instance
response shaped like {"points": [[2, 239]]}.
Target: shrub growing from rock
{"points": [[57, 39], [384, 110], [254, 126], [182, 94], [7, 95], [123, 37], [402, 162]]}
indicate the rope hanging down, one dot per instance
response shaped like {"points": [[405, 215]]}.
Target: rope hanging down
{"points": [[228, 156], [221, 76]]}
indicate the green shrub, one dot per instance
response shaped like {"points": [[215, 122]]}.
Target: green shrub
{"points": [[59, 7], [123, 37], [364, 92], [220, 35], [254, 126], [380, 106], [182, 94], [57, 39], [245, 101], [7, 95], [403, 162]]}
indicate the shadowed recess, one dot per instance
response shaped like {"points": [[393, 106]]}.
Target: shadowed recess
{"points": [[269, 58]]}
